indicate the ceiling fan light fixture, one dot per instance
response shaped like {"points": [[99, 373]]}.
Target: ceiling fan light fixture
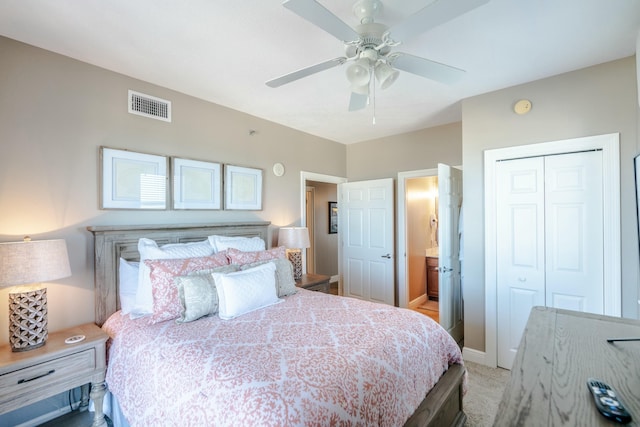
{"points": [[358, 73], [386, 75], [360, 90]]}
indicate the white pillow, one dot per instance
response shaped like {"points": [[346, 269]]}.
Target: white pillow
{"points": [[149, 249], [127, 284], [245, 291], [244, 244]]}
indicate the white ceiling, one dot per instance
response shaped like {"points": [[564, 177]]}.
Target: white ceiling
{"points": [[225, 51]]}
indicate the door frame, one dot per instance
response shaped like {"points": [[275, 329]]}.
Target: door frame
{"points": [[401, 232], [310, 223], [329, 179], [610, 146]]}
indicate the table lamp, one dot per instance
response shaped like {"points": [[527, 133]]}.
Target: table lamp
{"points": [[24, 265], [294, 239]]}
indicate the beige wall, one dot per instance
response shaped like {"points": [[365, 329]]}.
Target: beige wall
{"points": [[423, 149], [593, 101], [56, 112]]}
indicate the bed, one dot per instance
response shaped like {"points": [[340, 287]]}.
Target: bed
{"points": [[302, 374]]}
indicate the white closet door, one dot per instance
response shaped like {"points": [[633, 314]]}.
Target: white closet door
{"points": [[549, 240], [520, 249], [574, 232]]}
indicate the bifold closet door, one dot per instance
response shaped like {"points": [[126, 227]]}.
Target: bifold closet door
{"points": [[550, 240], [574, 237], [520, 249]]}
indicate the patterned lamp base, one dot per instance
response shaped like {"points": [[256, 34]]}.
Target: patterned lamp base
{"points": [[295, 256], [28, 319]]}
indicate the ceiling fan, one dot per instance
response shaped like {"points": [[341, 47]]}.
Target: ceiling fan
{"points": [[370, 45]]}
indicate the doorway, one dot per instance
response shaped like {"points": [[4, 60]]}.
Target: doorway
{"points": [[317, 190], [422, 244], [412, 291]]}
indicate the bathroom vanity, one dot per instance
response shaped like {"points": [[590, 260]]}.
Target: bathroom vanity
{"points": [[432, 274]]}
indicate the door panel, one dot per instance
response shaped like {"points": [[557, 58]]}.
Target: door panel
{"points": [[575, 232], [520, 249], [366, 216]]}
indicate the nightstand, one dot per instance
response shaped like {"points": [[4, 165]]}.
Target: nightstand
{"points": [[30, 376], [314, 282]]}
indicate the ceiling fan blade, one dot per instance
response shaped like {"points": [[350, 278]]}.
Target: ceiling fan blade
{"points": [[358, 101], [426, 68], [288, 78], [318, 15], [431, 16]]}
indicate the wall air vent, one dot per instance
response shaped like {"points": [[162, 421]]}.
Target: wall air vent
{"points": [[149, 106]]}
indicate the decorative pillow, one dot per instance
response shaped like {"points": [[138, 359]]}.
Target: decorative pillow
{"points": [[166, 302], [245, 291], [245, 244], [149, 249], [128, 272], [241, 258], [198, 294], [285, 283]]}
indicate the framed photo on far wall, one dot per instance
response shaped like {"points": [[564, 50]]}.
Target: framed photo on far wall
{"points": [[242, 188], [196, 184], [132, 180], [333, 217]]}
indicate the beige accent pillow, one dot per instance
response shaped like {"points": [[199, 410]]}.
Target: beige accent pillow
{"points": [[285, 283], [198, 294]]}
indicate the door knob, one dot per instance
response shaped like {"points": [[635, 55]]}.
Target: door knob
{"points": [[387, 256]]}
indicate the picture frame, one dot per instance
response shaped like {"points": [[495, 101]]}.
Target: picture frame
{"points": [[242, 188], [333, 217], [196, 184], [132, 180]]}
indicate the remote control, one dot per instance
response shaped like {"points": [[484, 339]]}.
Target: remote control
{"points": [[607, 401]]}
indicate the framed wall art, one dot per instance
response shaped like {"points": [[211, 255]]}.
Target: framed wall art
{"points": [[333, 217], [196, 184], [242, 188], [132, 180]]}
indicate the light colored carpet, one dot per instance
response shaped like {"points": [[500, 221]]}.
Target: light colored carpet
{"points": [[484, 393]]}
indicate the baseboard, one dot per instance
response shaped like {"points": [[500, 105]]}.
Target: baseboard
{"points": [[475, 356], [418, 301], [334, 279]]}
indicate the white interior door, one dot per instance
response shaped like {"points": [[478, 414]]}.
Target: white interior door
{"points": [[449, 279], [367, 240], [520, 249], [550, 226]]}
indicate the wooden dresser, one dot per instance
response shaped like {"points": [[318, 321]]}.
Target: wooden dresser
{"points": [[559, 350]]}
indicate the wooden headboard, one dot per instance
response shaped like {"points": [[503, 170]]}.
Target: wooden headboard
{"points": [[115, 242]]}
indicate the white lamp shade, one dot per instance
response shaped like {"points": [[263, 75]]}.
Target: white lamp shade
{"points": [[33, 262], [386, 75], [294, 237], [358, 72], [360, 90]]}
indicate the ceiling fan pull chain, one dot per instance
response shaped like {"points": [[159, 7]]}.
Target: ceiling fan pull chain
{"points": [[373, 90]]}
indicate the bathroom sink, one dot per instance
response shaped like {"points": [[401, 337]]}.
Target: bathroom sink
{"points": [[433, 252]]}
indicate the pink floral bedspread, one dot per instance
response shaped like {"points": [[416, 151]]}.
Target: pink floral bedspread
{"points": [[315, 359]]}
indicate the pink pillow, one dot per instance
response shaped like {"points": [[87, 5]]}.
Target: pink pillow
{"points": [[241, 258], [166, 301]]}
